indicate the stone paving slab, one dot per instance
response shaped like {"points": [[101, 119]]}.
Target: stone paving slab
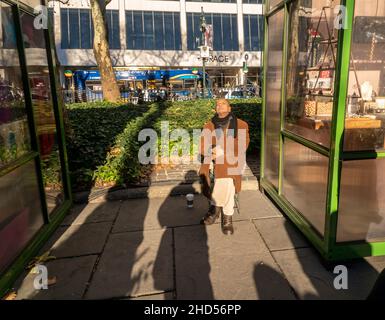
{"points": [[78, 240], [156, 190], [157, 241], [158, 213], [162, 296], [92, 212], [189, 171], [72, 276], [210, 265], [133, 264], [280, 234], [311, 280], [255, 206]]}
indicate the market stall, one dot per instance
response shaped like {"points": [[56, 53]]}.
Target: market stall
{"points": [[34, 186], [324, 121]]}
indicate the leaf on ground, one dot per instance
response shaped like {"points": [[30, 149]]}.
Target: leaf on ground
{"points": [[10, 296], [45, 257], [52, 280]]}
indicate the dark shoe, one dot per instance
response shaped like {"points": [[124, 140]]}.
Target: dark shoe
{"points": [[211, 216], [227, 224]]}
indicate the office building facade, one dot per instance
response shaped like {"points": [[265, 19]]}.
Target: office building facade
{"points": [[165, 34]]}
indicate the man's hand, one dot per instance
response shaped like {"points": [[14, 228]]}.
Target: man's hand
{"points": [[217, 152]]}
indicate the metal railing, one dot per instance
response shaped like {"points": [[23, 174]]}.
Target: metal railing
{"points": [[75, 96]]}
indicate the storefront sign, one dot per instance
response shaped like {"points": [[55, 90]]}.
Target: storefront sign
{"points": [[218, 58], [68, 73], [205, 52]]}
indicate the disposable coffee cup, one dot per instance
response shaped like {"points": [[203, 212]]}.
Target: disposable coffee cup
{"points": [[190, 200]]}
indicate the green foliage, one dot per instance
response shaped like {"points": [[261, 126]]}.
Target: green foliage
{"points": [[251, 112], [103, 143], [92, 133], [11, 153], [51, 170], [191, 115], [123, 164], [10, 112], [188, 115]]}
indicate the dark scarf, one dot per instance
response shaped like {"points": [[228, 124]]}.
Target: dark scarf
{"points": [[229, 122]]}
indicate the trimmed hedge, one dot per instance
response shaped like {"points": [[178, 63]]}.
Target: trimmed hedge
{"points": [[122, 164], [251, 112], [103, 144], [93, 128]]}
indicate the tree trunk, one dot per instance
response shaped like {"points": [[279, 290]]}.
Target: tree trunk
{"points": [[102, 51]]}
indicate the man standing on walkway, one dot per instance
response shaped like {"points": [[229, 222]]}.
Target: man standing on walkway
{"points": [[224, 142]]}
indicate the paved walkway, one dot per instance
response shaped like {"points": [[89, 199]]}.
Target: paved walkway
{"points": [[162, 178], [188, 172], [154, 248]]}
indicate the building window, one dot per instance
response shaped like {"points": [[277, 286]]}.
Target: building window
{"points": [[254, 1], [77, 29], [153, 30], [217, 1], [112, 18], [225, 29], [253, 31]]}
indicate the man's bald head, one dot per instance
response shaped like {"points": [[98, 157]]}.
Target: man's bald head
{"points": [[223, 108]]}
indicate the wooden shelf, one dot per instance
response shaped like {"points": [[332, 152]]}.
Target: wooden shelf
{"points": [[352, 123], [362, 123]]}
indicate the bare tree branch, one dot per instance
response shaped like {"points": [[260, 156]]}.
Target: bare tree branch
{"points": [[61, 1]]}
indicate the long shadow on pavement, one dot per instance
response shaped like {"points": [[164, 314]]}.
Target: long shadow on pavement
{"points": [[91, 261], [310, 278], [192, 269]]}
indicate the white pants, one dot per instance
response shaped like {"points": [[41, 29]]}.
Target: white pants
{"points": [[223, 195]]}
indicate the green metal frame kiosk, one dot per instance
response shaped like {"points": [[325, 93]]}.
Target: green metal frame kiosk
{"points": [[323, 149], [35, 189]]}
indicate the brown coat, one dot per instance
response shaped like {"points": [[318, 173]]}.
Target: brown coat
{"points": [[221, 169]]}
